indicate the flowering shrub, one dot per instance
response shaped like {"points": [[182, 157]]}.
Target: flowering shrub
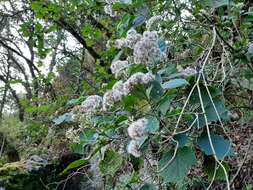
{"points": [[164, 113], [153, 118]]}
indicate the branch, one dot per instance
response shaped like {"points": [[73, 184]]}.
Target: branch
{"points": [[68, 27]]}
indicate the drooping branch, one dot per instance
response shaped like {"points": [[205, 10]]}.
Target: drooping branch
{"points": [[68, 27]]}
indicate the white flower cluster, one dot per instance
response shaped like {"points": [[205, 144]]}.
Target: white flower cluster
{"points": [[118, 67], [131, 39], [250, 50], [108, 8], [147, 51], [133, 148], [92, 104], [138, 78], [121, 89], [136, 130], [153, 20]]}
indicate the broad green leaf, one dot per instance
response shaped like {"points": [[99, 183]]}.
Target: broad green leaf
{"points": [[155, 92], [168, 70], [165, 102], [181, 139], [221, 146], [209, 108], [209, 169], [111, 163], [177, 170], [174, 83], [152, 124], [65, 118], [88, 136], [73, 165], [148, 186]]}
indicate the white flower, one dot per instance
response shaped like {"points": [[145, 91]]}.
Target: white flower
{"points": [[148, 78], [92, 104], [137, 129], [119, 43], [119, 91], [147, 51], [153, 20], [117, 67], [133, 148], [131, 39], [108, 100], [150, 36], [250, 50], [138, 78]]}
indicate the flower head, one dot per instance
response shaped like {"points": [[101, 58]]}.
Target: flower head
{"points": [[147, 51], [117, 67], [131, 39], [138, 78], [133, 148], [153, 20], [137, 129], [92, 104], [108, 100]]}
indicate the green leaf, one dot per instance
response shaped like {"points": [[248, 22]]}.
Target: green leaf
{"points": [[164, 104], [182, 139], [209, 108], [155, 92], [174, 83], [209, 169], [111, 163], [152, 124], [73, 165], [177, 170], [221, 146], [139, 20], [65, 118], [88, 136], [148, 186], [216, 3]]}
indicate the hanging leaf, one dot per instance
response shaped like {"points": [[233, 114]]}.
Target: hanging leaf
{"points": [[74, 165], [111, 163], [174, 83], [177, 170], [221, 146]]}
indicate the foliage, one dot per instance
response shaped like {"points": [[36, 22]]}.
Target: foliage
{"points": [[147, 89]]}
